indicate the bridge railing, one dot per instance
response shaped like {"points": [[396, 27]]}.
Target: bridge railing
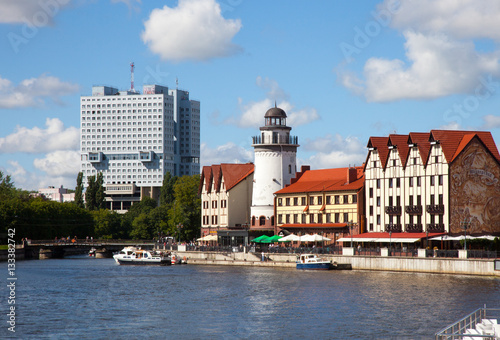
{"points": [[86, 242]]}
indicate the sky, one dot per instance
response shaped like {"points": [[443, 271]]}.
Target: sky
{"points": [[342, 70]]}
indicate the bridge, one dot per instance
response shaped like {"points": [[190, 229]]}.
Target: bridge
{"points": [[45, 249]]}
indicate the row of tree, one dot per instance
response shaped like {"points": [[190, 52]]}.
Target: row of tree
{"points": [[177, 214]]}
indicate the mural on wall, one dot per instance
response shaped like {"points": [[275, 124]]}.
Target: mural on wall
{"points": [[475, 191]]}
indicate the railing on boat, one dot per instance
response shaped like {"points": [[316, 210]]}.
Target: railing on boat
{"points": [[458, 329]]}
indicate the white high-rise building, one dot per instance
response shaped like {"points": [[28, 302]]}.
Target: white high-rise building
{"points": [[275, 165], [134, 139]]}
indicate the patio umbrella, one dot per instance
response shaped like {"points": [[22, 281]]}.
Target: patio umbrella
{"points": [[289, 238], [272, 239], [260, 239], [313, 238]]}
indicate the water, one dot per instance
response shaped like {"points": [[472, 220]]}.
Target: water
{"points": [[87, 298]]}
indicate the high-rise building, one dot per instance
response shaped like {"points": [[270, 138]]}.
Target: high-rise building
{"points": [[134, 139]]}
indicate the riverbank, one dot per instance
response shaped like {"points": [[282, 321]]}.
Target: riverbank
{"points": [[479, 267]]}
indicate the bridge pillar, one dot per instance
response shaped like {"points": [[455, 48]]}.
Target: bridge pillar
{"points": [[45, 254], [103, 253]]}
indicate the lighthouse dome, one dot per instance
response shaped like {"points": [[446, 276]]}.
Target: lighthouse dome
{"points": [[275, 112]]}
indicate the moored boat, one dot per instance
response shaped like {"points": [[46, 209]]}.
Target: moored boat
{"points": [[141, 257], [313, 262]]}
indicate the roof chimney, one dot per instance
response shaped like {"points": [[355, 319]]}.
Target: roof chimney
{"points": [[352, 174]]}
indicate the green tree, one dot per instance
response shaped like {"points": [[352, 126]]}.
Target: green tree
{"points": [[107, 224], [90, 193], [100, 200], [186, 209], [135, 223], [79, 190], [167, 195]]}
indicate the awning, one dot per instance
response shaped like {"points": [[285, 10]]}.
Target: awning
{"points": [[382, 240], [386, 238]]}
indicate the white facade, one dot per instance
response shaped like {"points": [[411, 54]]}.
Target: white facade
{"points": [[275, 164], [57, 194], [134, 139]]}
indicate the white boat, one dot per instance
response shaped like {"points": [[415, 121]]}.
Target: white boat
{"points": [[92, 251], [312, 261], [177, 259], [132, 255]]}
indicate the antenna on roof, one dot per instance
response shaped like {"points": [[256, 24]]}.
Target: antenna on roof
{"points": [[275, 103], [132, 77]]}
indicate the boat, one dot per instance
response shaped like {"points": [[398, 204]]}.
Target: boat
{"points": [[92, 251], [176, 259], [313, 262], [141, 257]]}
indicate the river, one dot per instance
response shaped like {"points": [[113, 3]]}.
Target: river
{"points": [[88, 298]]}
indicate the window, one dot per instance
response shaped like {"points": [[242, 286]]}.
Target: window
{"points": [[320, 218], [378, 201], [295, 218], [337, 199], [320, 200], [328, 199], [280, 219], [346, 217], [393, 162], [371, 210], [354, 198], [287, 218], [390, 182], [311, 218], [410, 181], [398, 182], [311, 200], [280, 202], [419, 181], [414, 160], [337, 218], [303, 218], [214, 204], [328, 218], [432, 180], [295, 201], [374, 164], [441, 199], [371, 226], [371, 192], [303, 201], [288, 202], [378, 219], [378, 183], [440, 179], [346, 199], [262, 220], [436, 159]]}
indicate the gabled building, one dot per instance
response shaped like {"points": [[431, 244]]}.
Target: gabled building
{"points": [[440, 181], [226, 196], [326, 202]]}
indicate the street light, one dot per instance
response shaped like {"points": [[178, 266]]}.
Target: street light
{"points": [[351, 226], [465, 225]]}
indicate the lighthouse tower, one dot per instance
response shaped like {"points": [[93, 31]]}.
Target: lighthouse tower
{"points": [[274, 166]]}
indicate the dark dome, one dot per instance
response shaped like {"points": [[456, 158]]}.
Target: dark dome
{"points": [[275, 112]]}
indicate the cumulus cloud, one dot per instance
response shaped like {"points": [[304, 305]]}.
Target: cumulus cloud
{"points": [[491, 122], [29, 180], [252, 115], [194, 30], [34, 91], [441, 57], [35, 140], [59, 163], [227, 153], [333, 151], [34, 13]]}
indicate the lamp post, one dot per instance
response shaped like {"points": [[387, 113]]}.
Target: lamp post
{"points": [[390, 240], [465, 225], [351, 226]]}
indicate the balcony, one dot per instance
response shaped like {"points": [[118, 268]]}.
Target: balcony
{"points": [[96, 157], [435, 209], [393, 210], [395, 228], [413, 209], [279, 140], [413, 228], [435, 228]]}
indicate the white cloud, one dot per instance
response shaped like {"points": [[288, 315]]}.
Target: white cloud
{"points": [[253, 112], [194, 30], [59, 163], [54, 137], [491, 122], [334, 151], [34, 91], [467, 19], [441, 55], [438, 66], [131, 4], [27, 180], [227, 153], [33, 13], [451, 126]]}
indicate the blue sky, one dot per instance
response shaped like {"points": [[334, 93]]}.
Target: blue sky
{"points": [[342, 70]]}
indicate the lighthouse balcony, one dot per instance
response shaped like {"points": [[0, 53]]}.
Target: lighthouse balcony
{"points": [[275, 140]]}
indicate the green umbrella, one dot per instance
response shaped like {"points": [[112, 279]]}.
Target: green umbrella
{"points": [[272, 239], [261, 239]]}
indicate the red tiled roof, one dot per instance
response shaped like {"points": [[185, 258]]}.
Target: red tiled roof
{"points": [[233, 174], [453, 142], [325, 180], [401, 142], [421, 139], [380, 143]]}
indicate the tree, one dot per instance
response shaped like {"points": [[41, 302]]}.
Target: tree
{"points": [[7, 189], [91, 193], [186, 209], [167, 190], [100, 200], [79, 190], [107, 224]]}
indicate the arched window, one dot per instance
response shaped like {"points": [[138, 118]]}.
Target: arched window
{"points": [[253, 220], [272, 220], [262, 220]]}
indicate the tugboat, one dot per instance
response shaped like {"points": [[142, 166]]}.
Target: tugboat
{"points": [[141, 257], [312, 261]]}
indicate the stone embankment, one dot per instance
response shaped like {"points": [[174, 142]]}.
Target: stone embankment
{"points": [[480, 267]]}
